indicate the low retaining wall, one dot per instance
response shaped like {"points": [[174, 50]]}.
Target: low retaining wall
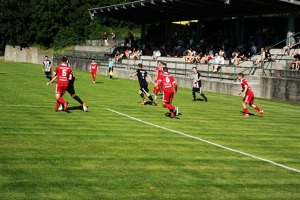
{"points": [[29, 55], [282, 89]]}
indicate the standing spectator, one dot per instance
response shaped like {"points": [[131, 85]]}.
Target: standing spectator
{"points": [[110, 68], [114, 38], [105, 38], [169, 87], [93, 70], [142, 74], [197, 85], [253, 49], [62, 74], [47, 68], [290, 45], [248, 97]]}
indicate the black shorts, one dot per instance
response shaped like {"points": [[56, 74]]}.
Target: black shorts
{"points": [[195, 89], [48, 74], [71, 89], [144, 89]]}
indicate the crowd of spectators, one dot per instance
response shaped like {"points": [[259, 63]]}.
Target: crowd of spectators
{"points": [[220, 44]]}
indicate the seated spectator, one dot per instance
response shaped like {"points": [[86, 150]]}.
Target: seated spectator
{"points": [[156, 54], [296, 63], [219, 61], [128, 53], [197, 57], [189, 56], [267, 56], [235, 58], [206, 58], [290, 45], [119, 56], [216, 63], [136, 54]]}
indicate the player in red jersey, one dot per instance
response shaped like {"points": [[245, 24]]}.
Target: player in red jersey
{"points": [[169, 87], [62, 75], [158, 72], [93, 70], [248, 97]]}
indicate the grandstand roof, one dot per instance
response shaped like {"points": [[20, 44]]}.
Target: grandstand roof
{"points": [[148, 11]]}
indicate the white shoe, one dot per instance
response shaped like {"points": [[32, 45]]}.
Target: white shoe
{"points": [[176, 111], [60, 108], [84, 107]]}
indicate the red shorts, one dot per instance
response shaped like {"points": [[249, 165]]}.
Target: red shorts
{"points": [[249, 98], [155, 90], [94, 72], [61, 89], [168, 96]]}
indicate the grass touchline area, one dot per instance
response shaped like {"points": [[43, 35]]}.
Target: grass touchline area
{"points": [[206, 141]]}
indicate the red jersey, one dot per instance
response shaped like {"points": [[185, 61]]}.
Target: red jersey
{"points": [[168, 82], [244, 83], [94, 66], [63, 73], [159, 72]]}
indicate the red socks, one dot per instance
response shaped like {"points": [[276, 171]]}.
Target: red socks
{"points": [[169, 106], [257, 108]]}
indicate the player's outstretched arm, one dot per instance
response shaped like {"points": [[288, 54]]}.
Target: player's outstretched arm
{"points": [[134, 74], [53, 79], [150, 78]]}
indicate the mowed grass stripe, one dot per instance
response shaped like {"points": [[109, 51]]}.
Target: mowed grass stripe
{"points": [[97, 155]]}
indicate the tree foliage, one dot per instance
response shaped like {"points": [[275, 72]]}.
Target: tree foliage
{"points": [[54, 23]]}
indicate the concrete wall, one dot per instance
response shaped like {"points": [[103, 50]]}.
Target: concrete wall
{"points": [[284, 89], [29, 55]]}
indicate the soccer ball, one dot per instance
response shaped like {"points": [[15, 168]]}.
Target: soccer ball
{"points": [[60, 108]]}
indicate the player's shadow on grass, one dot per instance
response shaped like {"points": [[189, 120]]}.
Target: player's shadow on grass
{"points": [[175, 117], [75, 108], [199, 99], [97, 82], [148, 103], [248, 113]]}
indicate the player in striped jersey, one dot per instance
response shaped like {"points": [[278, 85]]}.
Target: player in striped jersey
{"points": [[197, 85], [47, 67]]}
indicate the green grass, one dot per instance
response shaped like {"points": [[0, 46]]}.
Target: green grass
{"points": [[102, 155]]}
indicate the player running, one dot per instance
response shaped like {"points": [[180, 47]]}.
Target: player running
{"points": [[93, 70], [62, 74], [158, 72], [71, 91], [197, 85], [142, 74], [248, 97], [169, 87]]}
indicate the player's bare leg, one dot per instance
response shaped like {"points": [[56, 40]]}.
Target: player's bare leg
{"points": [[246, 113], [261, 112]]}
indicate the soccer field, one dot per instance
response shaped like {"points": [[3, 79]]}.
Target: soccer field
{"points": [[120, 149]]}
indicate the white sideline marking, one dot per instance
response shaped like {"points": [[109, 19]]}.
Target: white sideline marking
{"points": [[206, 141]]}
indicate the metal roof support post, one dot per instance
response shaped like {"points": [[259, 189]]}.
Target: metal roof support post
{"points": [[168, 31], [291, 25], [200, 27], [143, 33], [240, 29]]}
